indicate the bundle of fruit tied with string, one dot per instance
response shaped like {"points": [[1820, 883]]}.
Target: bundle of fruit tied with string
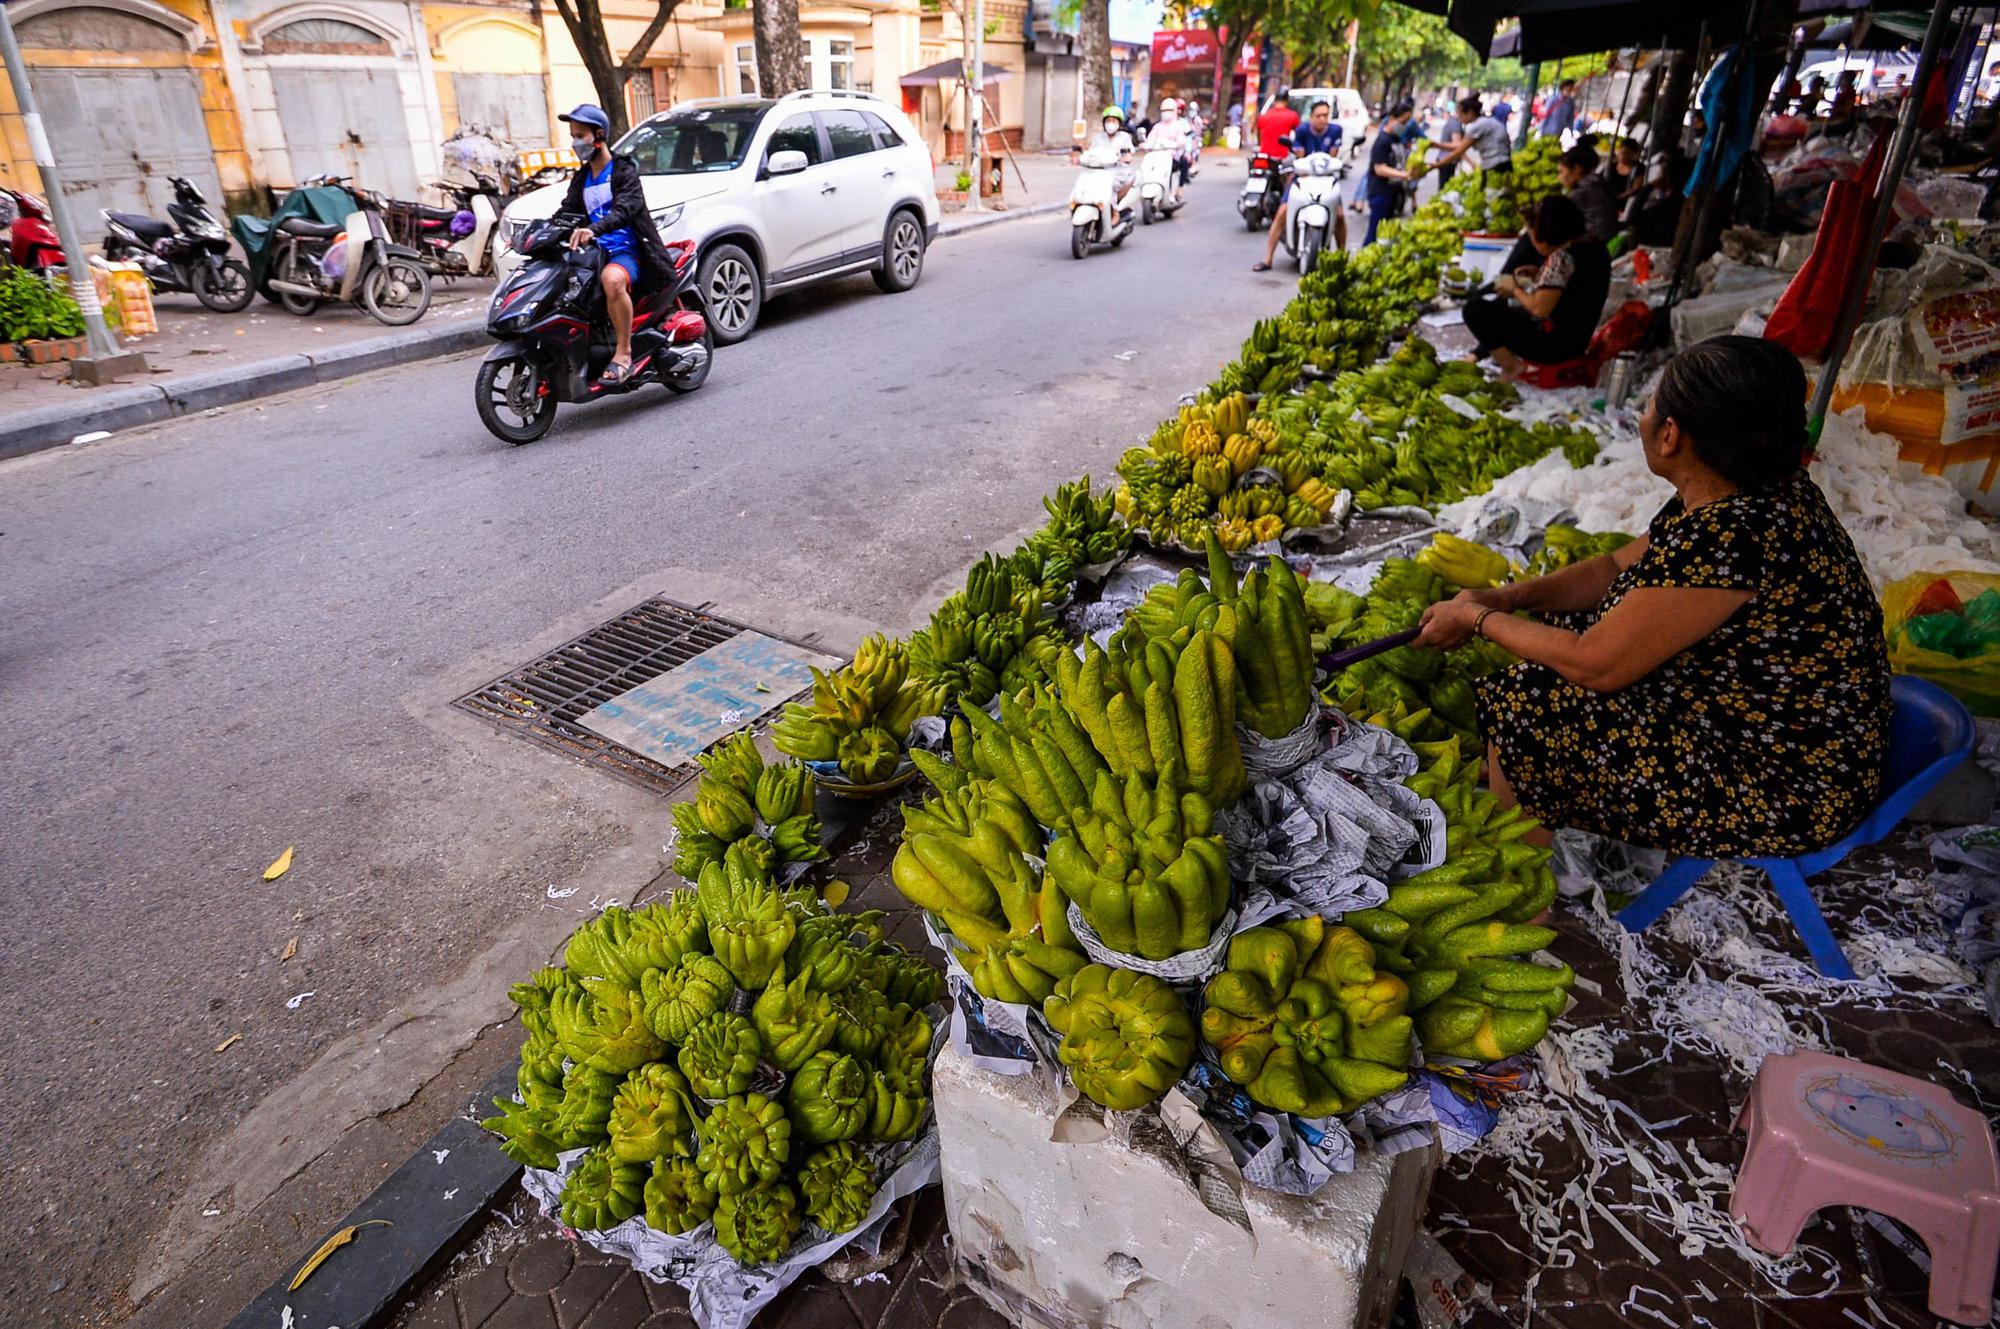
{"points": [[859, 716]]}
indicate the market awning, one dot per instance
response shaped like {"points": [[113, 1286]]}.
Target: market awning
{"points": [[1555, 29], [949, 71]]}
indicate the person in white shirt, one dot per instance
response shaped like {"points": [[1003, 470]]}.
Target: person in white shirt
{"points": [[1171, 132], [1111, 134]]}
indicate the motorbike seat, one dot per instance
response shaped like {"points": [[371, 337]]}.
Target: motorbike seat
{"points": [[146, 228], [310, 230], [428, 213]]}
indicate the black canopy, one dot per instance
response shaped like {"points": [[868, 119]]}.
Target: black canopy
{"points": [[1555, 29]]}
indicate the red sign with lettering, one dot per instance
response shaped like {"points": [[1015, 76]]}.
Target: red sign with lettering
{"points": [[1189, 48]]}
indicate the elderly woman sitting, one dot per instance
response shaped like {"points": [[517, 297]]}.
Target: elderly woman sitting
{"points": [[1722, 688], [1546, 314]]}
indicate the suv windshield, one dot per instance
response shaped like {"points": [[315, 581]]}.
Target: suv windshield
{"points": [[694, 140]]}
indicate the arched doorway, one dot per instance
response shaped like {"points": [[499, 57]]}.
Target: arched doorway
{"points": [[338, 80], [494, 66], [119, 129]]}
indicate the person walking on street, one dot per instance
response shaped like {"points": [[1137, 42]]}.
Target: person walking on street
{"points": [[1450, 134], [1484, 134], [606, 189], [1559, 116], [1319, 134], [1386, 176]]}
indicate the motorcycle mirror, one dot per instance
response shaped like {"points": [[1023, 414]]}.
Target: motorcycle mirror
{"points": [[788, 162]]}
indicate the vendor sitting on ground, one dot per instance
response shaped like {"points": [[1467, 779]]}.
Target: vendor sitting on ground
{"points": [[1544, 314], [1727, 694]]}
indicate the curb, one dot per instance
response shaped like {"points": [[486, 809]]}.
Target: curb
{"points": [[129, 406], [434, 1203], [980, 221]]}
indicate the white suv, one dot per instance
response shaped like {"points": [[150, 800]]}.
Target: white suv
{"points": [[776, 194]]}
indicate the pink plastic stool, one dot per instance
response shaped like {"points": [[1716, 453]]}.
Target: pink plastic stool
{"points": [[1828, 1131]]}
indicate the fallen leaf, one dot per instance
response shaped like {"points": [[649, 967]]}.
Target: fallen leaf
{"points": [[228, 1042], [327, 1248], [836, 893], [291, 949], [281, 866]]}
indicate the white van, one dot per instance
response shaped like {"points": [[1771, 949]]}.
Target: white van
{"points": [[1349, 112]]}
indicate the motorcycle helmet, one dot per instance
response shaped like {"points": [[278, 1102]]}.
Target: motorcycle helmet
{"points": [[1113, 113]]}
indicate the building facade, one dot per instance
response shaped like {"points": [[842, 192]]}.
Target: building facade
{"points": [[250, 97]]}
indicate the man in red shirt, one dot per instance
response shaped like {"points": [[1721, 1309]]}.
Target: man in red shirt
{"points": [[1275, 126]]}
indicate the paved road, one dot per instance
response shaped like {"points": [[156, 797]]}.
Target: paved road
{"points": [[242, 631]]}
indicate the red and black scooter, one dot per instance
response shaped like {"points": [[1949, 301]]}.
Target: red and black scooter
{"points": [[555, 338], [31, 236]]}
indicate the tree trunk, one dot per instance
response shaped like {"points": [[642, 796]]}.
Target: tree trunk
{"points": [[781, 61], [1663, 133], [608, 74], [1093, 49]]}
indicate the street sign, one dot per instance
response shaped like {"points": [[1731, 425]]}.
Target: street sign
{"points": [[675, 715]]}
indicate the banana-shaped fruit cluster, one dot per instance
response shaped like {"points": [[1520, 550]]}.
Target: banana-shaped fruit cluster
{"points": [[1144, 867], [978, 881], [859, 715], [1156, 706], [1462, 563]]}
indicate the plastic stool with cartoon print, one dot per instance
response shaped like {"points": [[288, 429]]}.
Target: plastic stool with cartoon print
{"points": [[1824, 1130]]}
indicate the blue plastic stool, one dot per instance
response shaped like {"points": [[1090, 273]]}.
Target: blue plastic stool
{"points": [[1930, 732]]}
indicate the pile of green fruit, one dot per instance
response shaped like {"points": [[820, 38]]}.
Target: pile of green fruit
{"points": [[859, 716], [1498, 203], [1216, 466], [738, 794], [1303, 1019], [1082, 530], [995, 634], [722, 1055], [1564, 545], [1461, 934]]}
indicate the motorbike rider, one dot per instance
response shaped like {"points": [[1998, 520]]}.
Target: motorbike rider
{"points": [[1170, 133], [1111, 134], [606, 189], [1318, 133]]}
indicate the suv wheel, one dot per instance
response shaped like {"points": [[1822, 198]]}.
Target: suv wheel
{"points": [[902, 253], [732, 294]]}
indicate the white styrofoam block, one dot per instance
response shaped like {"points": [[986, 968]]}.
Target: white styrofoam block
{"points": [[1102, 1234]]}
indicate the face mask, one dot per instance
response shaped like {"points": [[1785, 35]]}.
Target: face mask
{"points": [[1112, 128], [585, 148]]}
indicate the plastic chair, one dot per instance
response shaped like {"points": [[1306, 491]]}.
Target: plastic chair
{"points": [[1929, 734], [1577, 373], [1823, 1130]]}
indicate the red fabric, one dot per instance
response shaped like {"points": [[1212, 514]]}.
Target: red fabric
{"points": [[1274, 127], [1623, 331], [1936, 107], [1803, 321]]}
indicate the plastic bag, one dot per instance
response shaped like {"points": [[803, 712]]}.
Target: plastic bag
{"points": [[1923, 644]]}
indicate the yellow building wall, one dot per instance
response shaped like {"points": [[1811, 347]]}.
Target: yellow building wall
{"points": [[691, 56], [467, 39], [218, 106]]}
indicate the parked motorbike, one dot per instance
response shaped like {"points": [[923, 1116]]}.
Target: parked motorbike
{"points": [[190, 253], [1263, 190], [1156, 186], [1096, 214], [482, 201], [1315, 201], [31, 234], [556, 339], [312, 262]]}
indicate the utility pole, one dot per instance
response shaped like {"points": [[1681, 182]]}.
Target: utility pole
{"points": [[1353, 40], [1534, 73], [105, 361]]}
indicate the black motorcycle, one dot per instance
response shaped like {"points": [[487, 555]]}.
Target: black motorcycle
{"points": [[189, 254], [1263, 190], [556, 339]]}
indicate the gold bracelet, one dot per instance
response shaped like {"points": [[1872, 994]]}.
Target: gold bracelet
{"points": [[1479, 623]]}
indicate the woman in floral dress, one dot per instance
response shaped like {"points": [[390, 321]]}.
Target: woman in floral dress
{"points": [[1721, 688]]}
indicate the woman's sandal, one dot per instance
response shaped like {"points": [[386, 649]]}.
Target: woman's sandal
{"points": [[1260, 266], [614, 374]]}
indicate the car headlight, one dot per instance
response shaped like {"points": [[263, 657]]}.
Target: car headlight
{"points": [[666, 217], [515, 230]]}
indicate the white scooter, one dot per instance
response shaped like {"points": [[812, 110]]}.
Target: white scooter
{"points": [[1156, 185], [1315, 203], [1096, 214]]}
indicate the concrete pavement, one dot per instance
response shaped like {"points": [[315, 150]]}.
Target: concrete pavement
{"points": [[241, 631]]}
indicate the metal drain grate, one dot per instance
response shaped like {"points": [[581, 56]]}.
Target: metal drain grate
{"points": [[544, 701]]}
